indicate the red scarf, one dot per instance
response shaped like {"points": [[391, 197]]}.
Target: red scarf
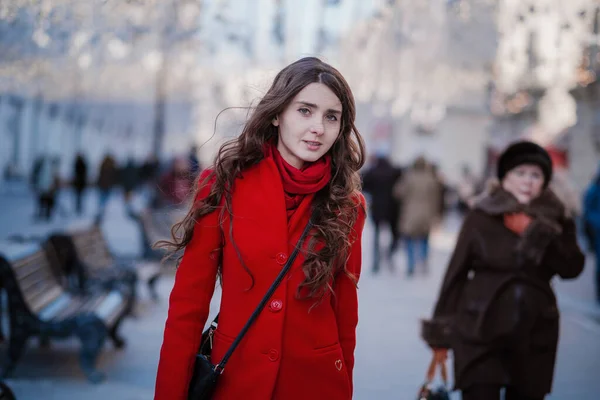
{"points": [[297, 183]]}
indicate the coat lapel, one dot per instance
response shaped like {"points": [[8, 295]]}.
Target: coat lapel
{"points": [[300, 217], [260, 202]]}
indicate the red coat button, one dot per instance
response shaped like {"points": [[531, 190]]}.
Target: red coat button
{"points": [[276, 305], [281, 258], [273, 355]]}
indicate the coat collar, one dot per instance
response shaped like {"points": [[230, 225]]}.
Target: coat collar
{"points": [[499, 202]]}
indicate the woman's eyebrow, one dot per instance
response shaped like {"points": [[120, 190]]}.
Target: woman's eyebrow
{"points": [[312, 105]]}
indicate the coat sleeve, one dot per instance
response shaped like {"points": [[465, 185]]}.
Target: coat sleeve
{"points": [[188, 308], [563, 255], [436, 331], [346, 295]]}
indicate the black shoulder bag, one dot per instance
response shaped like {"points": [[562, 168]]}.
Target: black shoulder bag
{"points": [[205, 375]]}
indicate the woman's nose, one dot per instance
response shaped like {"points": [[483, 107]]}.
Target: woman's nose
{"points": [[317, 128]]}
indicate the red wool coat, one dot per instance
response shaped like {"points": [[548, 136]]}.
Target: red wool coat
{"points": [[289, 353]]}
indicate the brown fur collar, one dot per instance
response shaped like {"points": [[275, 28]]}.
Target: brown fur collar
{"points": [[548, 214], [498, 201]]}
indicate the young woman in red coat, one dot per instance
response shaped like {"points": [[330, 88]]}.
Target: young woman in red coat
{"points": [[298, 155]]}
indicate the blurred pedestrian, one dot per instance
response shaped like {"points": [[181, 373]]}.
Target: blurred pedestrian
{"points": [[129, 181], [496, 308], [591, 222], [443, 190], [296, 160], [47, 184], [194, 163], [149, 174], [175, 186], [419, 192], [107, 179], [466, 189], [149, 170], [34, 181], [80, 172], [378, 181]]}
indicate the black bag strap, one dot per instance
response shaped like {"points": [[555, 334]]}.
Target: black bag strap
{"points": [[221, 366]]}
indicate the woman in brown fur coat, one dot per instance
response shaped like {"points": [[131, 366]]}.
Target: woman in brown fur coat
{"points": [[496, 308]]}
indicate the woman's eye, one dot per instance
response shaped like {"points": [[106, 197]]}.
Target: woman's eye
{"points": [[332, 118], [304, 111]]}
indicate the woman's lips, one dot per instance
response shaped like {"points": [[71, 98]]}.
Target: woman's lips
{"points": [[312, 145]]}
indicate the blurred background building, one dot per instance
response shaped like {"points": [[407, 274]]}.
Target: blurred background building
{"points": [[454, 80]]}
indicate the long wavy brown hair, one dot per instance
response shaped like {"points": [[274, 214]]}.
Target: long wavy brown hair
{"points": [[335, 208]]}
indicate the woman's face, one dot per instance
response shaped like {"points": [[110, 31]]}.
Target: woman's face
{"points": [[525, 182], [309, 125]]}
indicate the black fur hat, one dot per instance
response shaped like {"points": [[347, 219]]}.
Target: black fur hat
{"points": [[525, 152]]}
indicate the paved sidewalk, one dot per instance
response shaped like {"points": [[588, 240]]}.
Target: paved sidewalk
{"points": [[390, 357]]}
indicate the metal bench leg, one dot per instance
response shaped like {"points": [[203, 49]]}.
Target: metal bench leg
{"points": [[16, 345], [92, 334], [131, 282], [152, 287], [117, 339]]}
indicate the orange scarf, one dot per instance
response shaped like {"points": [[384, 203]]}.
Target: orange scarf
{"points": [[517, 222]]}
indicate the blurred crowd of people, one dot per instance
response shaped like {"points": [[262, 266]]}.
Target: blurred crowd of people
{"points": [[410, 201], [164, 185]]}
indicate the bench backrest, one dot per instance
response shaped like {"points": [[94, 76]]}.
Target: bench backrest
{"points": [[36, 280], [156, 225], [92, 249]]}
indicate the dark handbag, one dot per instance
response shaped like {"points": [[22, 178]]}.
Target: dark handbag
{"points": [[427, 391], [206, 375]]}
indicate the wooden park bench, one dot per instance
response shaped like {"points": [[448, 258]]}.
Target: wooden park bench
{"points": [[88, 263], [155, 225], [38, 306]]}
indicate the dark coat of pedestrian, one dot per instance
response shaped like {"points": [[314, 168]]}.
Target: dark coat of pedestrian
{"points": [[80, 173], [379, 181], [107, 177], [496, 309], [149, 170], [130, 176], [80, 176]]}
